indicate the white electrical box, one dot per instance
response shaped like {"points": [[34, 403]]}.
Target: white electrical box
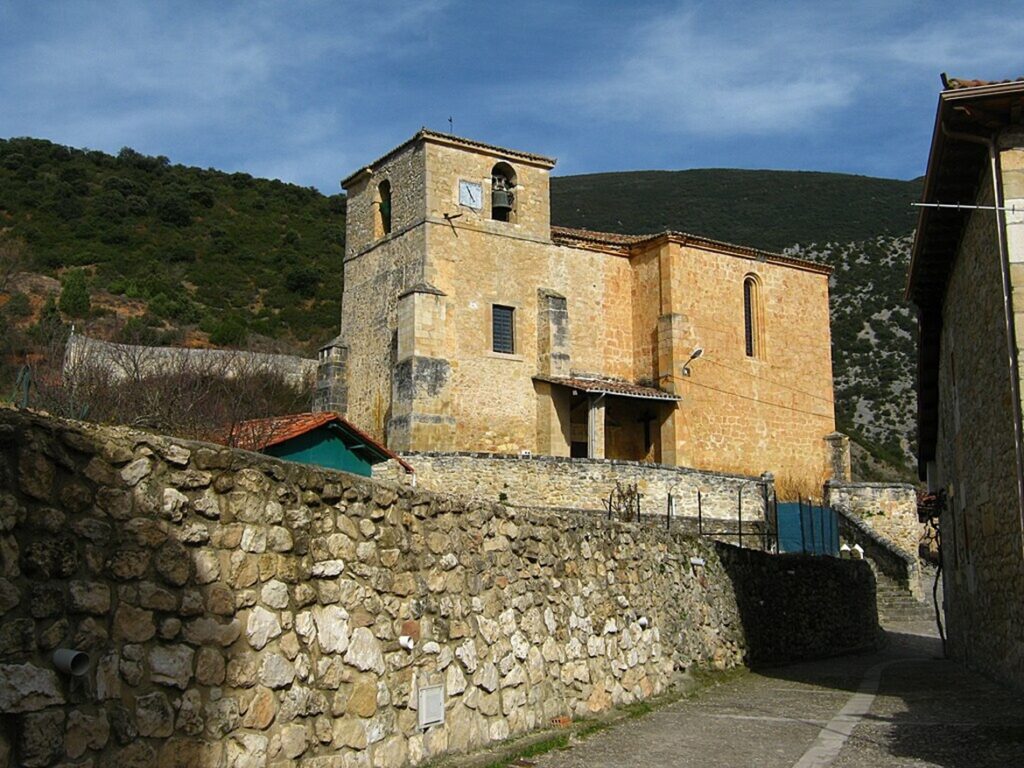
{"points": [[431, 708]]}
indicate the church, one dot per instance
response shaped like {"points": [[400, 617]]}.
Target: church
{"points": [[471, 324]]}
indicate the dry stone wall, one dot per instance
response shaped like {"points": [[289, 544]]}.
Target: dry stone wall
{"points": [[561, 483], [240, 611], [889, 509]]}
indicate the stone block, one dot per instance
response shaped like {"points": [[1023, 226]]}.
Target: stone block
{"points": [[42, 738], [27, 688]]}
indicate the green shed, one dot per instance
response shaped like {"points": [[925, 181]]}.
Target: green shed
{"points": [[322, 439]]}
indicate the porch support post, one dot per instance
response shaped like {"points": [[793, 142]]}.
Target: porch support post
{"points": [[595, 426], [553, 420]]}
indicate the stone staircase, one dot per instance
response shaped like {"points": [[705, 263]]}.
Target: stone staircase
{"points": [[897, 604]]}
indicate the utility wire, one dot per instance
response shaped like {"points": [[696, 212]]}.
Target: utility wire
{"points": [[753, 399], [776, 384]]}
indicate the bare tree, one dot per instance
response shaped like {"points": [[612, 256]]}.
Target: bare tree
{"points": [[172, 392]]}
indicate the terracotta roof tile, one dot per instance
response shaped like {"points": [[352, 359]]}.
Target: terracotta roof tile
{"points": [[425, 134], [609, 387], [610, 238], [956, 83], [623, 244], [260, 434]]}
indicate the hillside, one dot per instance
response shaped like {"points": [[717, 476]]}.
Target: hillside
{"points": [[766, 209], [176, 247], [134, 248], [873, 347]]}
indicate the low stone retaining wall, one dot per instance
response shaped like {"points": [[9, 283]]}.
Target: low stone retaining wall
{"points": [[558, 482], [237, 610], [889, 509], [797, 607]]}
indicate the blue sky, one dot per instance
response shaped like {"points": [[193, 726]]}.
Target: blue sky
{"points": [[307, 91]]}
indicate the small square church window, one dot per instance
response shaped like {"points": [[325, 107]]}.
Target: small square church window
{"points": [[503, 329]]}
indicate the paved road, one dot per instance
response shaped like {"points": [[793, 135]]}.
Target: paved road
{"points": [[903, 707]]}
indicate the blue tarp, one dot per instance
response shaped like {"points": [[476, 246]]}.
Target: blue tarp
{"points": [[805, 528]]}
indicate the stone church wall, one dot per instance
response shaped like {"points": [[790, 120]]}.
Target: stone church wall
{"points": [[237, 610]]}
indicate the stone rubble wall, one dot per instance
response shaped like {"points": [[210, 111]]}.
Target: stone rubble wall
{"points": [[889, 509], [125, 361], [983, 559], [888, 561], [561, 483], [240, 611]]}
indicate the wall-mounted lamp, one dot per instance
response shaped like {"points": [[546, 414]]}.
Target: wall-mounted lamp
{"points": [[693, 356], [71, 662]]}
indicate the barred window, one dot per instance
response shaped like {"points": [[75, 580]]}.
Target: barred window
{"points": [[503, 329]]}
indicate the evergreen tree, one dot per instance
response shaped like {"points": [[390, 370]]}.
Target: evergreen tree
{"points": [[74, 295]]}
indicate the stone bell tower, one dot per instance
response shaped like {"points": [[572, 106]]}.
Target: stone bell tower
{"points": [[420, 221]]}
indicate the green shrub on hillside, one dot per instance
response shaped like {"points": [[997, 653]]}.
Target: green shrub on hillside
{"points": [[193, 241], [765, 209], [74, 295]]}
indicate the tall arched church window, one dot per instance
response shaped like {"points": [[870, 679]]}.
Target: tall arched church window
{"points": [[752, 317]]}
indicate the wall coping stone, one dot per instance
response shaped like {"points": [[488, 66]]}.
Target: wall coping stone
{"points": [[576, 461], [866, 484]]}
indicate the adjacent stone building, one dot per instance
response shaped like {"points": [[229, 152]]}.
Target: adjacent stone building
{"points": [[967, 280], [469, 323]]}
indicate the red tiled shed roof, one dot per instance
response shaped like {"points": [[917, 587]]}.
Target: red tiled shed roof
{"points": [[260, 434]]}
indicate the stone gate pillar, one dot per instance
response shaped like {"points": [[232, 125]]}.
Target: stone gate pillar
{"points": [[839, 464]]}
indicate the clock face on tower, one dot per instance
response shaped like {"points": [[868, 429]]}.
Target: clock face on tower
{"points": [[471, 194]]}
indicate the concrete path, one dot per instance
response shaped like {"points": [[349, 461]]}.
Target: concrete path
{"points": [[902, 707]]}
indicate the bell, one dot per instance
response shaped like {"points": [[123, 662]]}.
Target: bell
{"points": [[501, 201]]}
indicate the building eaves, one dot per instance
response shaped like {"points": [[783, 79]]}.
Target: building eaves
{"points": [[956, 170], [958, 83], [953, 175], [627, 245], [425, 134], [615, 387]]}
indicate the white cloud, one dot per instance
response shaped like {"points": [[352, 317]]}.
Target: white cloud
{"points": [[264, 78], [978, 45], [305, 90], [685, 73], [712, 70]]}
